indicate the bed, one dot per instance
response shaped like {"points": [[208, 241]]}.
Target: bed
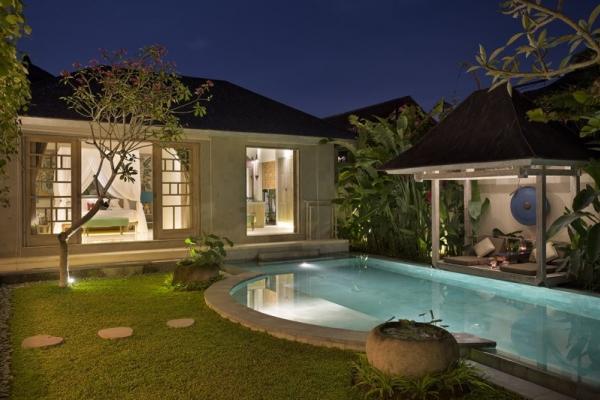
{"points": [[114, 217]]}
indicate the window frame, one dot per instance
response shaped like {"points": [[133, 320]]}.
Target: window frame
{"points": [[31, 240], [158, 231], [29, 189]]}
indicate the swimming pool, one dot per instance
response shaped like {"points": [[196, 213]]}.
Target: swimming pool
{"points": [[555, 330]]}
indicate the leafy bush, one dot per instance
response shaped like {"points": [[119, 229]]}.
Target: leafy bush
{"points": [[583, 227], [391, 214], [457, 381], [206, 250], [190, 286]]}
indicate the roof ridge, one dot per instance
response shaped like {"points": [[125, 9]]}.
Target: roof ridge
{"points": [[516, 114], [369, 106]]}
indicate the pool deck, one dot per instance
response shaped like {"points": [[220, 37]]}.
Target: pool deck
{"points": [[219, 299]]}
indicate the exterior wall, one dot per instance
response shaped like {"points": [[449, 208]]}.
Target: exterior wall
{"points": [[222, 199], [499, 192]]}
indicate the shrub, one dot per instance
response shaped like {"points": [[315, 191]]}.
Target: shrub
{"points": [[206, 250], [457, 381]]}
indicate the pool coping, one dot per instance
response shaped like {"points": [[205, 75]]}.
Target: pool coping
{"points": [[219, 299]]}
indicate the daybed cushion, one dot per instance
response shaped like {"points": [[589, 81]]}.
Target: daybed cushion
{"points": [[499, 245], [551, 253], [466, 260], [484, 247], [525, 268], [106, 222]]}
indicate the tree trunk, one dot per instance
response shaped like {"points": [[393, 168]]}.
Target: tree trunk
{"points": [[63, 237], [63, 240]]}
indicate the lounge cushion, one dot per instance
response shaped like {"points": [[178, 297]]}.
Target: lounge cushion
{"points": [[551, 253], [466, 260], [499, 245], [526, 268], [484, 247]]}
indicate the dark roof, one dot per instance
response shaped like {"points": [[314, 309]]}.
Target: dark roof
{"points": [[578, 79], [487, 127], [232, 108], [382, 110]]}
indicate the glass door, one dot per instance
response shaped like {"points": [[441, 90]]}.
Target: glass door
{"points": [[176, 200]]}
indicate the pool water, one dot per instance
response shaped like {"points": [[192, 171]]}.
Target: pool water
{"points": [[555, 330]]}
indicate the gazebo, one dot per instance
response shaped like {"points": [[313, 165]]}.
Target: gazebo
{"points": [[489, 136]]}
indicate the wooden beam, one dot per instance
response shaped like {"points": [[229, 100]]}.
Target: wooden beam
{"points": [[540, 219], [521, 172], [525, 162], [467, 195], [435, 221]]}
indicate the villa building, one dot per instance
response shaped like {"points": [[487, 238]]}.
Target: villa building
{"points": [[255, 171]]}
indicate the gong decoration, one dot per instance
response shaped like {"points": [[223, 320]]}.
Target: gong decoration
{"points": [[522, 205]]}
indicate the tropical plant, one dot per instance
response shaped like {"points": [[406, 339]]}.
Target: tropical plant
{"points": [[206, 250], [391, 214], [477, 209], [14, 85], [457, 381], [583, 227], [129, 102]]}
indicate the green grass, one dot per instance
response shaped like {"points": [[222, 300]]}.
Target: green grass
{"points": [[214, 359]]}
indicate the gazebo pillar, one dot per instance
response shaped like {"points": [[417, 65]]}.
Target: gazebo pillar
{"points": [[574, 183], [435, 221], [467, 195], [540, 220]]}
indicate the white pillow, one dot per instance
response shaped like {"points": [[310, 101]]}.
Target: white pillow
{"points": [[484, 247], [551, 253], [115, 204]]}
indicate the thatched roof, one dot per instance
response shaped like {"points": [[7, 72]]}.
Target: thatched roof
{"points": [[491, 127]]}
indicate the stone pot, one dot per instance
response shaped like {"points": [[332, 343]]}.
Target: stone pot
{"points": [[411, 349], [187, 274]]}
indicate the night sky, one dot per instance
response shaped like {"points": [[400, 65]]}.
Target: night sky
{"points": [[321, 56]]}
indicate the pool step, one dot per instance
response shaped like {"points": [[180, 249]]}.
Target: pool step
{"points": [[466, 340], [533, 374]]}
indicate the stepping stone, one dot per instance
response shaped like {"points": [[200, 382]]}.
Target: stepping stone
{"points": [[180, 323], [115, 333], [41, 341]]}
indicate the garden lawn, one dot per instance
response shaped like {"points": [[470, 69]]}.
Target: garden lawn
{"points": [[213, 359]]}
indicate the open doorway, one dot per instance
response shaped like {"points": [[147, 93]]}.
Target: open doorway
{"points": [[270, 191]]}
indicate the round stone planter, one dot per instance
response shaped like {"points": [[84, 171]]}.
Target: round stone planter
{"points": [[411, 349], [192, 274]]}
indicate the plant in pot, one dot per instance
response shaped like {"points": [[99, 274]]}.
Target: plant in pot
{"points": [[203, 263], [411, 349]]}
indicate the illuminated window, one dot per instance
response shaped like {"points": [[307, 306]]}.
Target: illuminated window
{"points": [[270, 191]]}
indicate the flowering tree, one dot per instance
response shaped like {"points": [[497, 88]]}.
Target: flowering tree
{"points": [[14, 85], [524, 57], [129, 102]]}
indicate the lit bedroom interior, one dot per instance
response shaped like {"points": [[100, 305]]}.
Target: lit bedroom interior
{"points": [[270, 190], [128, 215]]}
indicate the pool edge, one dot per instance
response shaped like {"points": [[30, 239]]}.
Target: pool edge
{"points": [[218, 298]]}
